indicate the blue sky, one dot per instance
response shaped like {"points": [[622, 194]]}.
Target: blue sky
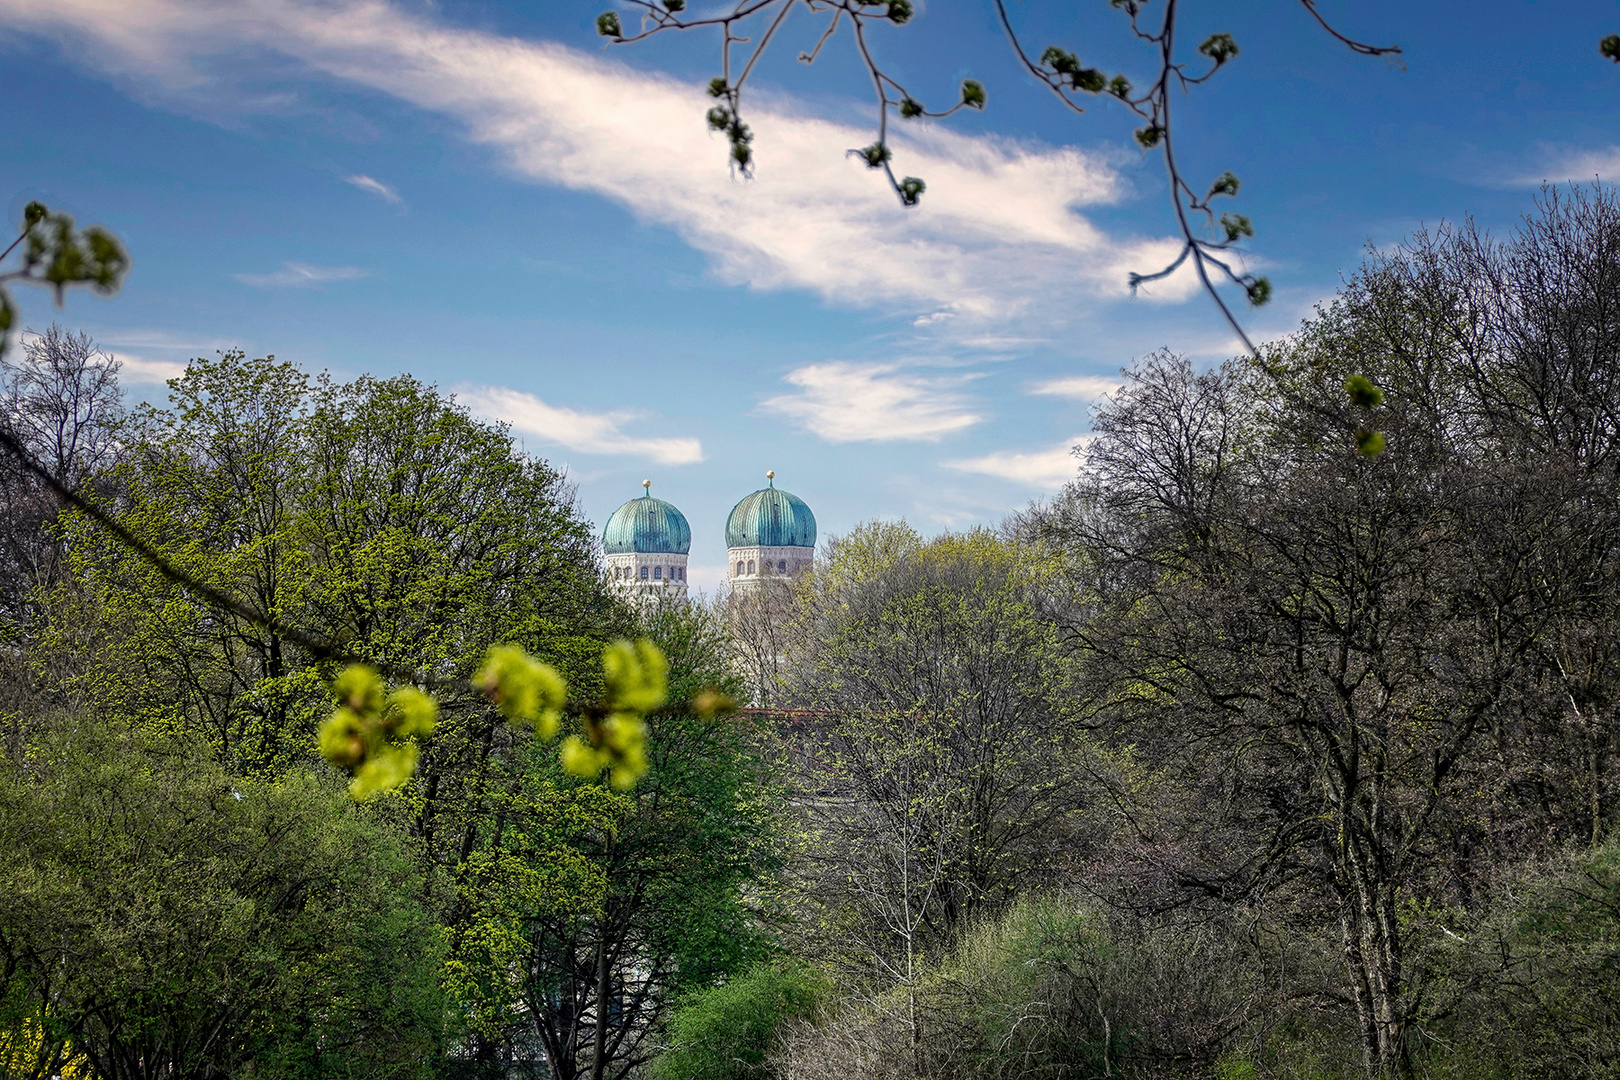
{"points": [[482, 195]]}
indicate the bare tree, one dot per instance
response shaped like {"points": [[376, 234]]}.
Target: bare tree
{"points": [[59, 400]]}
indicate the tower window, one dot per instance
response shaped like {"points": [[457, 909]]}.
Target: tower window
{"points": [[781, 565], [643, 573], [658, 573], [750, 566], [739, 568]]}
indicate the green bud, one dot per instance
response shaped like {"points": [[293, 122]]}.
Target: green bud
{"points": [[1370, 443], [8, 316], [108, 260], [524, 689], [607, 24], [1225, 184], [1610, 47], [1090, 80], [389, 768], [1149, 136], [719, 118], [1363, 393], [674, 6], [910, 108], [741, 154], [1219, 48], [1060, 61], [411, 713], [1236, 225], [1259, 291], [911, 189], [717, 87], [900, 12], [711, 702], [342, 739], [635, 676], [34, 213], [973, 95], [874, 155], [360, 688], [579, 759], [1120, 87]]}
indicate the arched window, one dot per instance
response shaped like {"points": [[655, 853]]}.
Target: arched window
{"points": [[781, 566], [750, 566], [683, 573], [643, 573], [658, 573], [739, 568]]}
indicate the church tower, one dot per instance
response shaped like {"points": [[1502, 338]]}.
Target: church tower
{"points": [[646, 542], [770, 534]]}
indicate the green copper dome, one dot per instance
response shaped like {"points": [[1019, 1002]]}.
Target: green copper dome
{"points": [[771, 518], [647, 526]]}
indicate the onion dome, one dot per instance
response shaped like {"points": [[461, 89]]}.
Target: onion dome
{"points": [[647, 526], [771, 517]]}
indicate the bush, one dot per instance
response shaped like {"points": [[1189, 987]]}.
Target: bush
{"points": [[725, 1032], [1530, 990], [1056, 988]]}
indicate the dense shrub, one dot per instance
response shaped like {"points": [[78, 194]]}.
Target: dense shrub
{"points": [[1533, 989], [1056, 988], [724, 1032]]}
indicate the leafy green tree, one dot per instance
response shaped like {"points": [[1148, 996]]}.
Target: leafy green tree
{"points": [[686, 867], [382, 518], [163, 918], [952, 771]]}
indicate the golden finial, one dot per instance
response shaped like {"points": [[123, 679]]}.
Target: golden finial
{"points": [[647, 486], [771, 476]]}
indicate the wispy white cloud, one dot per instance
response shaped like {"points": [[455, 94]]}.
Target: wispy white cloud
{"points": [[1560, 164], [1000, 234], [372, 185], [588, 433], [844, 402], [295, 275], [1046, 469], [146, 371], [1078, 387]]}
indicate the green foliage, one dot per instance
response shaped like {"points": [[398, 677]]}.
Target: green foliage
{"points": [[1528, 990], [523, 689], [1219, 48], [973, 95], [1225, 184], [53, 253], [1610, 47], [160, 911], [1236, 225], [1046, 990], [725, 1032], [679, 867], [607, 25], [375, 738], [1363, 393], [875, 156]]}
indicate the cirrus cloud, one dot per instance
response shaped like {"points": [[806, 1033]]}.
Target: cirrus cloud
{"points": [[1046, 469], [999, 236], [296, 275], [844, 402], [589, 433]]}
